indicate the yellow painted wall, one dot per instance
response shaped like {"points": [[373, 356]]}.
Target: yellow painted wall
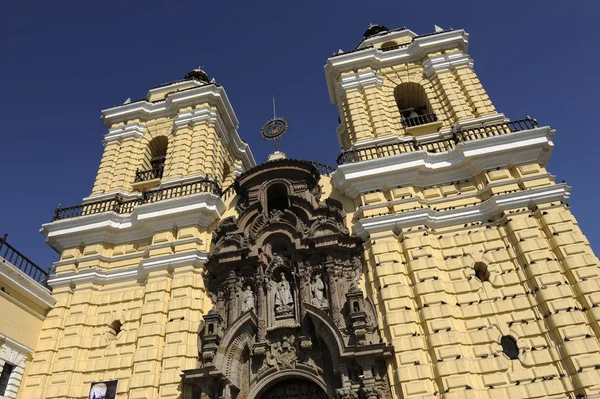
{"points": [[17, 322]]}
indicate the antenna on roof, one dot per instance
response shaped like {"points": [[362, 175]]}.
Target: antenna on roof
{"points": [[274, 113]]}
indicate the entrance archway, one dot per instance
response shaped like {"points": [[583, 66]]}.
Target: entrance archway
{"points": [[294, 388]]}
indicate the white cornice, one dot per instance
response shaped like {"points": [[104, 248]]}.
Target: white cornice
{"points": [[359, 80], [488, 209], [446, 62], [134, 130], [25, 285], [14, 345], [110, 227], [102, 276], [424, 169], [213, 94], [377, 59]]}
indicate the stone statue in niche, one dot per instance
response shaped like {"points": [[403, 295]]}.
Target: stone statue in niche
{"points": [[247, 300], [283, 298], [318, 292]]}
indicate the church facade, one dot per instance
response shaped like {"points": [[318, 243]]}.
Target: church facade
{"points": [[439, 258]]}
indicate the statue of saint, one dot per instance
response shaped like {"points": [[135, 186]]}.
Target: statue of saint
{"points": [[318, 292], [247, 300], [283, 297]]}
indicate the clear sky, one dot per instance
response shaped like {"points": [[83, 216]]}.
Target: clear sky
{"points": [[63, 62]]}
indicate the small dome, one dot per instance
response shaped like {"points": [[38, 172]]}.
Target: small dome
{"points": [[373, 30], [197, 74]]}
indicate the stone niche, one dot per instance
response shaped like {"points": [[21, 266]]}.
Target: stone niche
{"points": [[288, 317]]}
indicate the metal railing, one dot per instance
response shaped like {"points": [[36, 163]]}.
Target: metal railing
{"points": [[323, 169], [441, 145], [118, 205], [418, 120], [23, 263], [154, 173]]}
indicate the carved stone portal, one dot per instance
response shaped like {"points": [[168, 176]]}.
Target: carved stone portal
{"points": [[288, 318]]}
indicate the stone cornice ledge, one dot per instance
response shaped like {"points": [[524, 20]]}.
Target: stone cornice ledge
{"points": [[14, 345], [488, 209], [110, 227], [26, 286], [426, 169], [101, 276]]}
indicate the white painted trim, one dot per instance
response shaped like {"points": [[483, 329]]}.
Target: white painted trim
{"points": [[428, 169], [376, 59], [480, 121], [102, 276], [213, 94], [26, 286], [486, 210], [135, 130], [446, 62], [359, 80], [110, 227], [181, 180], [16, 346]]}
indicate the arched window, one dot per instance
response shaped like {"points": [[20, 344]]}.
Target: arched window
{"points": [[413, 105], [277, 197], [509, 347], [153, 163]]}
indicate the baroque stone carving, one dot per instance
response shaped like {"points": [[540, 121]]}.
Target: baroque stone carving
{"points": [[282, 276], [283, 298]]}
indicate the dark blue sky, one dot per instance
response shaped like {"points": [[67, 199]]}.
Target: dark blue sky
{"points": [[62, 62]]}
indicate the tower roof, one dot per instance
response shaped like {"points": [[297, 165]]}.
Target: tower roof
{"points": [[374, 30]]}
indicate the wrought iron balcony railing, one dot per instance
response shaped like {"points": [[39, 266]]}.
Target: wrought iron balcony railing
{"points": [[154, 173], [418, 120], [441, 145], [23, 263], [118, 205]]}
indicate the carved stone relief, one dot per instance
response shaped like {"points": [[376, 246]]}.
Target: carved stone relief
{"points": [[283, 283]]}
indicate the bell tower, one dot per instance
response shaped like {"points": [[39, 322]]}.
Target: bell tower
{"points": [[478, 270], [181, 131], [129, 284]]}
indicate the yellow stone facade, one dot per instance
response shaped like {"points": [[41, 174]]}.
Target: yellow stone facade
{"points": [[461, 247]]}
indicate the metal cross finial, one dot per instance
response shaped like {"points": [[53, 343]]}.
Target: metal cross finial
{"points": [[274, 128]]}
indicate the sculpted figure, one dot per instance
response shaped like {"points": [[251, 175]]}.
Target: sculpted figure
{"points": [[283, 297], [318, 292], [247, 299]]}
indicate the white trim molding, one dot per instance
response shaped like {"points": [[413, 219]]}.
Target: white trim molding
{"points": [[376, 59], [135, 130], [426, 169], [102, 276], [14, 353], [26, 286], [211, 93], [359, 80], [446, 62], [110, 227], [486, 210]]}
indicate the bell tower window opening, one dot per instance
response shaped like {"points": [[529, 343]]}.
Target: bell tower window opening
{"points": [[153, 164], [413, 105], [277, 197]]}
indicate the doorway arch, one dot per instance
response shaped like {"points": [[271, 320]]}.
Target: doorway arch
{"points": [[288, 384], [296, 388]]}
